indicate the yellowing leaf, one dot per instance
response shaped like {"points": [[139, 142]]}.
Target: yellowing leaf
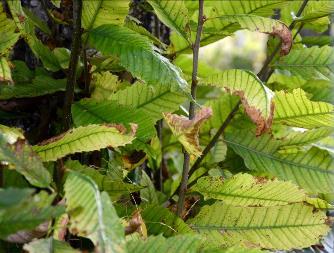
{"points": [[256, 98], [246, 190], [295, 109], [187, 130], [276, 227], [84, 139], [5, 72]]}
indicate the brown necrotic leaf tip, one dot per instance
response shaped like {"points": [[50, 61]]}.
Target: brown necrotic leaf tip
{"points": [[187, 130]]}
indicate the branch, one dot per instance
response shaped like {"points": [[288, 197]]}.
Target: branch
{"points": [[262, 75], [159, 124], [75, 51], [186, 162]]}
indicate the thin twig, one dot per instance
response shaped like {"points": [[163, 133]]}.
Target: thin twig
{"points": [[186, 162], [262, 75], [75, 51], [85, 72], [159, 124]]}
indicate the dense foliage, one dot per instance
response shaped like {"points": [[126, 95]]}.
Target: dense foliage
{"points": [[116, 137]]}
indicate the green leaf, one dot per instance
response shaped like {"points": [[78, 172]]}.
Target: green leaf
{"points": [[319, 203], [317, 40], [313, 10], [212, 9], [221, 108], [277, 227], [84, 139], [184, 61], [215, 25], [309, 63], [93, 216], [21, 73], [152, 100], [90, 111], [148, 194], [295, 109], [311, 169], [159, 220], [63, 56], [48, 58], [20, 156], [263, 8], [246, 190], [135, 26], [37, 21], [105, 85], [48, 245], [41, 85], [174, 14], [28, 214], [234, 249], [13, 196], [255, 96], [320, 90], [175, 244], [5, 72], [114, 187], [101, 12], [307, 137], [136, 54], [8, 35]]}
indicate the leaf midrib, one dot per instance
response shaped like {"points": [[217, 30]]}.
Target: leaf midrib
{"points": [[212, 227], [246, 196]]}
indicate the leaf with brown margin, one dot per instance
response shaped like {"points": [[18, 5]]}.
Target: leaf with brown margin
{"points": [[186, 130], [253, 23], [85, 139], [136, 224], [20, 156], [256, 98]]}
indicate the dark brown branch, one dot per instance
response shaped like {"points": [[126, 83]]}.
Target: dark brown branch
{"points": [[159, 124], [186, 162], [86, 72], [264, 77], [263, 74], [75, 51]]}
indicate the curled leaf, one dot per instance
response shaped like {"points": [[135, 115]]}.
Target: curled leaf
{"points": [[136, 224], [256, 98], [187, 130], [253, 23]]}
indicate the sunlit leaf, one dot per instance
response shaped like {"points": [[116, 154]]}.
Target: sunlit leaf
{"points": [[295, 109], [137, 55], [246, 190], [93, 216], [260, 154], [84, 139], [255, 96], [187, 130], [262, 227]]}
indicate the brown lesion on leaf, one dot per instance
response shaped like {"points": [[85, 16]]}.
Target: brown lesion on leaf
{"points": [[187, 130], [136, 224], [121, 129], [262, 124], [260, 180], [284, 33]]}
